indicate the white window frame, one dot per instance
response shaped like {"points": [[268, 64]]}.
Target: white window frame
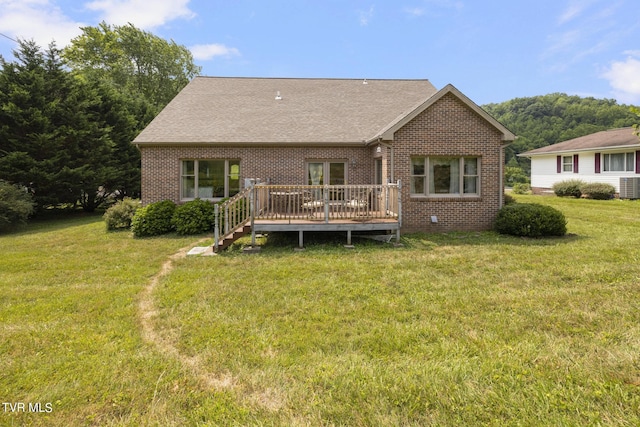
{"points": [[629, 162], [423, 179], [567, 164], [227, 178]]}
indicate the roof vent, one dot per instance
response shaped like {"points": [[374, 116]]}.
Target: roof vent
{"points": [[278, 97]]}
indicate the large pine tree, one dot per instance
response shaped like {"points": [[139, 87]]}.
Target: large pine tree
{"points": [[54, 140]]}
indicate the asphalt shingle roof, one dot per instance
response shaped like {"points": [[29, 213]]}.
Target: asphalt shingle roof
{"points": [[623, 137], [245, 110]]}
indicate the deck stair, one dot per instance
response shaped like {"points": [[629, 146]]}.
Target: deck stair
{"points": [[231, 237], [232, 219]]}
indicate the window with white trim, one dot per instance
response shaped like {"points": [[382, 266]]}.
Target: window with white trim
{"points": [[209, 179], [445, 176], [619, 162], [567, 163]]}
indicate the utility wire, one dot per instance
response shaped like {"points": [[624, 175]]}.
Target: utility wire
{"points": [[6, 36]]}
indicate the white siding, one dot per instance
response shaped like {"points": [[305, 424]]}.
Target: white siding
{"points": [[544, 171]]}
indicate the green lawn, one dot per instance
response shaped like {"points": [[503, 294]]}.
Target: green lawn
{"points": [[451, 329]]}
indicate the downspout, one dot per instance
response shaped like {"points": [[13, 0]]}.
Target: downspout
{"points": [[502, 189]]}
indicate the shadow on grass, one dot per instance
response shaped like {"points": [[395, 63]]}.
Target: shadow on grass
{"points": [[484, 238], [287, 241], [53, 222]]}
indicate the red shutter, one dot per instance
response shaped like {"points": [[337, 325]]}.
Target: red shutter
{"points": [[597, 162], [637, 161], [559, 164], [575, 163]]}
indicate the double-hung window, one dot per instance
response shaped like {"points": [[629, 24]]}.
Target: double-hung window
{"points": [[445, 176], [209, 179], [619, 162]]}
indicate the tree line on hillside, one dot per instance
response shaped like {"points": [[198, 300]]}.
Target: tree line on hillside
{"points": [[543, 120], [68, 116]]}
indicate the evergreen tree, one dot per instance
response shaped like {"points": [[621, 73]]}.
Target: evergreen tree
{"points": [[54, 141]]}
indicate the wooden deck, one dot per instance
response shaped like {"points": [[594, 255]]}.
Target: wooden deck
{"points": [[346, 208], [333, 225]]}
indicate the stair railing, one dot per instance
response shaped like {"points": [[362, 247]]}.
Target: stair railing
{"points": [[231, 214]]}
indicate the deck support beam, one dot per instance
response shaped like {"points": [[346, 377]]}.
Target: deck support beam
{"points": [[300, 239]]}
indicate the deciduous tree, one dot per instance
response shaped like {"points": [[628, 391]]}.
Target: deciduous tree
{"points": [[134, 60]]}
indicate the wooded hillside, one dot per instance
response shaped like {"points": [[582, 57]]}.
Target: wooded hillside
{"points": [[539, 121]]}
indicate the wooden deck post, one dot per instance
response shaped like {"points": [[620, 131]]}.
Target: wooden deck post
{"points": [[301, 239], [252, 210], [386, 198], [399, 211], [226, 219], [216, 227], [325, 197]]}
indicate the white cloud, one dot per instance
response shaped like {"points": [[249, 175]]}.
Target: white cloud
{"points": [[205, 52], [624, 78], [366, 16], [574, 9], [434, 8], [141, 13], [414, 11], [38, 20]]}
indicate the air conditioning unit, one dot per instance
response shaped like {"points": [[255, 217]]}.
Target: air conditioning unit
{"points": [[629, 188]]}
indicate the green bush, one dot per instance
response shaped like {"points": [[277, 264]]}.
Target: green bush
{"points": [[568, 188], [521, 188], [153, 219], [598, 191], [514, 175], [530, 220], [119, 216], [509, 199], [16, 205], [194, 217]]}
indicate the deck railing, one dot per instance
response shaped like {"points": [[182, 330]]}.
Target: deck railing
{"points": [[326, 202]]}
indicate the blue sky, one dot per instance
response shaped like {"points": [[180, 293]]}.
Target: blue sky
{"points": [[492, 50]]}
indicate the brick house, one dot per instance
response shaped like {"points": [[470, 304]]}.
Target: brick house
{"points": [[444, 149]]}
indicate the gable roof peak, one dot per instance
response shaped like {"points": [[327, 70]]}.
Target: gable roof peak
{"points": [[388, 131]]}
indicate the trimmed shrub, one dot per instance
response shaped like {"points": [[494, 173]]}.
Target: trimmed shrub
{"points": [[568, 188], [530, 220], [598, 191], [509, 199], [153, 219], [194, 217], [16, 205], [119, 216], [521, 188]]}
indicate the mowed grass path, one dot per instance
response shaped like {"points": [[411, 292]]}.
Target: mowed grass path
{"points": [[451, 329]]}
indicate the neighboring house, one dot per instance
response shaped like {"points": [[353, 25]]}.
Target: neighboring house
{"points": [[611, 156], [218, 132]]}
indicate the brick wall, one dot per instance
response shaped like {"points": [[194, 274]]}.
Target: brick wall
{"points": [[450, 128], [279, 165]]}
